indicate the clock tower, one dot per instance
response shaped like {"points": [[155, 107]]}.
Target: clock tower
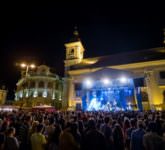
{"points": [[74, 55], [74, 51]]}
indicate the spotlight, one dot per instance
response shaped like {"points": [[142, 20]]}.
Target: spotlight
{"points": [[123, 80], [105, 81], [88, 83]]}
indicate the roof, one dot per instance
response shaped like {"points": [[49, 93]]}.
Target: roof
{"points": [[103, 73], [122, 58]]}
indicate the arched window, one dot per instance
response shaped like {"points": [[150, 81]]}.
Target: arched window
{"points": [[41, 84], [50, 85], [24, 85], [71, 53], [32, 84]]}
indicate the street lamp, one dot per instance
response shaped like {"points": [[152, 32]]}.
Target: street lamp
{"points": [[27, 66]]}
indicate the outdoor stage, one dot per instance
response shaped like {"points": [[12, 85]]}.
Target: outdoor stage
{"points": [[108, 95], [107, 90]]}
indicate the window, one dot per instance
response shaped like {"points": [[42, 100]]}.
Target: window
{"points": [[41, 84], [50, 85], [162, 74], [71, 53], [32, 84]]}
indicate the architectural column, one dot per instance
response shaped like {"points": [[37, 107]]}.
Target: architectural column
{"points": [[138, 97], [68, 93], [35, 88], [45, 84], [154, 94]]}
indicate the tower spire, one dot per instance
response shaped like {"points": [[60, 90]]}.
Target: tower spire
{"points": [[75, 35]]}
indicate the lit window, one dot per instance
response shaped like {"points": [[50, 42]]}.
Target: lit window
{"points": [[27, 94], [53, 96], [21, 94], [35, 94], [16, 96], [60, 97], [44, 94]]}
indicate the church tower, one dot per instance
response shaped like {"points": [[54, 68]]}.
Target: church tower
{"points": [[74, 51], [74, 55]]}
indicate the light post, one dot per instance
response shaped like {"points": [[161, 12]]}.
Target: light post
{"points": [[27, 66]]}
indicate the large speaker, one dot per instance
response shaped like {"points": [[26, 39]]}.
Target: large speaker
{"points": [[138, 82]]}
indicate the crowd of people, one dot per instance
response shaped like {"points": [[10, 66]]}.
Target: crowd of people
{"points": [[21, 130]]}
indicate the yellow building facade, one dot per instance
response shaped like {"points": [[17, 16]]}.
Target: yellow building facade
{"points": [[39, 87], [3, 95]]}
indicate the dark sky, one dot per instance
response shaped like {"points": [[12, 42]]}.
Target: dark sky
{"points": [[37, 31]]}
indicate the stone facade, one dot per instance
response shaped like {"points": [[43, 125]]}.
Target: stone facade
{"points": [[3, 95], [39, 87]]}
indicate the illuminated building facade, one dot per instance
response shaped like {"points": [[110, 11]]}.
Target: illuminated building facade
{"points": [[39, 86], [3, 95], [145, 69]]}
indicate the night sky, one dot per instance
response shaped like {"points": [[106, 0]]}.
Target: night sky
{"points": [[36, 32]]}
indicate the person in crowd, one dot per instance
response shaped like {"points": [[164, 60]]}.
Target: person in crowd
{"points": [[81, 127], [54, 140], [126, 125], [152, 140], [49, 129], [33, 128], [93, 139], [2, 137], [11, 142], [137, 137], [129, 133], [38, 140], [74, 131], [23, 135], [118, 137], [107, 131], [67, 141], [163, 130]]}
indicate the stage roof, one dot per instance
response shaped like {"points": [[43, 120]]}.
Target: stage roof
{"points": [[104, 73]]}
